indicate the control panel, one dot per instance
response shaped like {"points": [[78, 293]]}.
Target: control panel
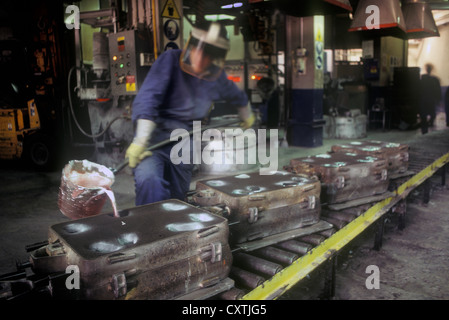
{"points": [[130, 57], [235, 72], [256, 71]]}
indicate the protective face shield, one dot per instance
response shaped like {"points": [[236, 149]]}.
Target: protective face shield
{"points": [[205, 52]]}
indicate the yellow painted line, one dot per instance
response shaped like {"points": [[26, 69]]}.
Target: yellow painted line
{"points": [[284, 280], [424, 174]]}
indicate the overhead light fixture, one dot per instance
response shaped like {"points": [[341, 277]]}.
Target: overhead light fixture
{"points": [[379, 17], [344, 4], [218, 17], [232, 5], [419, 20]]}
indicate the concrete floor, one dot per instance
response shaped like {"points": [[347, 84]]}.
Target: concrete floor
{"points": [[413, 263]]}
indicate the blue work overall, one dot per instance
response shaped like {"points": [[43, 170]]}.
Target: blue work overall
{"points": [[174, 99]]}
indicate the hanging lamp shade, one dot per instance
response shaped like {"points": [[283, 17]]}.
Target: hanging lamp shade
{"points": [[379, 17], [344, 4], [306, 8], [419, 20]]}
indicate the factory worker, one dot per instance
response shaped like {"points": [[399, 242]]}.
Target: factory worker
{"points": [[446, 103], [430, 98], [179, 89]]}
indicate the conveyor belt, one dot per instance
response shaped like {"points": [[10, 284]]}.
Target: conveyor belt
{"points": [[269, 273]]}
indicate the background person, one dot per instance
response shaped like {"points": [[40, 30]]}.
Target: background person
{"points": [[430, 98], [270, 101], [446, 102]]}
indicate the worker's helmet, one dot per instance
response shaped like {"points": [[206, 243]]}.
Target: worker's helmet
{"points": [[204, 53]]}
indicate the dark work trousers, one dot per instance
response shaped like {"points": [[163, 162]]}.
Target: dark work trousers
{"points": [[424, 123], [157, 178], [426, 110]]}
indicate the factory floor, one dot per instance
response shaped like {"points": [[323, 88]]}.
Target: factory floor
{"points": [[413, 263]]}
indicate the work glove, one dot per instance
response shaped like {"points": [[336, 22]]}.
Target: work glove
{"points": [[248, 122], [247, 116], [137, 151]]}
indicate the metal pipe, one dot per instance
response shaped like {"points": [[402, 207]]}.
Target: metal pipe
{"points": [[327, 233], [426, 195], [378, 235], [277, 255], [245, 278], [153, 21], [133, 13], [35, 246], [347, 217], [329, 278], [140, 12], [232, 294], [335, 222], [296, 246], [313, 239], [260, 266], [13, 276], [443, 175], [400, 209]]}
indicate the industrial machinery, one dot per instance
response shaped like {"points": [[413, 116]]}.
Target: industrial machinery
{"points": [[117, 44], [230, 235], [115, 47], [114, 50], [131, 58], [20, 136], [13, 129]]}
